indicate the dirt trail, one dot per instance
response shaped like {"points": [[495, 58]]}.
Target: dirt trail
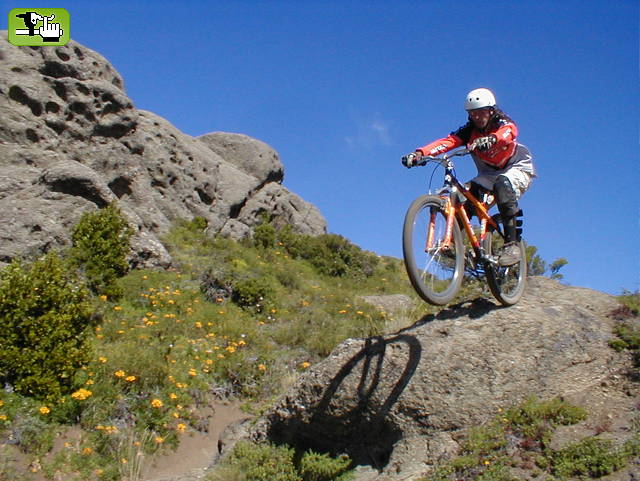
{"points": [[196, 450]]}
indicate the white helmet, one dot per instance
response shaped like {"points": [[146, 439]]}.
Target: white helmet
{"points": [[479, 98]]}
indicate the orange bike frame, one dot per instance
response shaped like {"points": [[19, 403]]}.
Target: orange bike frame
{"points": [[453, 209]]}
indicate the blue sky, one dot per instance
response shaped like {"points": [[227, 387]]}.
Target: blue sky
{"points": [[342, 89]]}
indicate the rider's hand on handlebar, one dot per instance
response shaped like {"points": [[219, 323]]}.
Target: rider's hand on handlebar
{"points": [[412, 159], [483, 143]]}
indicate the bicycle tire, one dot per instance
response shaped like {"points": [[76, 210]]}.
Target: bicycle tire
{"points": [[435, 274], [507, 284]]}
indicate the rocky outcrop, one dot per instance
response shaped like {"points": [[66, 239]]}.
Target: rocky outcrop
{"points": [[71, 141], [395, 402]]}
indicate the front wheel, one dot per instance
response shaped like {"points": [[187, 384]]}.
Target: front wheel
{"points": [[435, 269], [506, 283]]}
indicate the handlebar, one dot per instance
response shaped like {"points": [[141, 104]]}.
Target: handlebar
{"points": [[448, 155], [443, 159]]}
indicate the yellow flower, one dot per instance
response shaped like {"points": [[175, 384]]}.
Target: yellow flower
{"points": [[157, 403], [44, 410], [159, 440], [173, 396], [120, 373], [3, 417], [193, 372], [117, 308], [89, 382], [103, 297], [305, 364], [181, 427], [81, 394], [130, 378], [262, 367], [102, 359], [87, 451], [198, 324]]}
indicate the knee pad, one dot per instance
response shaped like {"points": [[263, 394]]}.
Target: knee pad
{"points": [[505, 197]]}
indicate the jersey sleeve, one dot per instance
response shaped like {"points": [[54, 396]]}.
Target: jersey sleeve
{"points": [[453, 140]]}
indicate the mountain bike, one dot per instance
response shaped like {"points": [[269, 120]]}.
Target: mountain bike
{"points": [[435, 254]]}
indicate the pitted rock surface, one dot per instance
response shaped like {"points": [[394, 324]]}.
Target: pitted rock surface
{"points": [[71, 140]]}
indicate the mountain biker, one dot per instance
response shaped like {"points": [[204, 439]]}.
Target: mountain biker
{"points": [[504, 166]]}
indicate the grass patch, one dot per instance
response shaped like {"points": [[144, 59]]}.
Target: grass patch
{"points": [[519, 437]]}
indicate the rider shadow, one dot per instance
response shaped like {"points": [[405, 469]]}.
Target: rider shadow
{"points": [[351, 415]]}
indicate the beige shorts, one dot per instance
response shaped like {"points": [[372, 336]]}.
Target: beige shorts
{"points": [[520, 180]]}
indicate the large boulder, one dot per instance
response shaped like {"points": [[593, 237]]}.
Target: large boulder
{"points": [[395, 402], [71, 140]]}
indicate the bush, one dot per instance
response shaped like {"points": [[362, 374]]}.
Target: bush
{"points": [[100, 247], [267, 462], [264, 235], [257, 294], [330, 254], [322, 467], [44, 316], [590, 457]]}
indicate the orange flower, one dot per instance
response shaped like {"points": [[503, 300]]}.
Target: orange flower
{"points": [[81, 394]]}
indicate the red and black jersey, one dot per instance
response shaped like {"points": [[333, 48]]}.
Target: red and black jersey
{"points": [[497, 156]]}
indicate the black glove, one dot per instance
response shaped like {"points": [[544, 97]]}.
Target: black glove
{"points": [[412, 159], [483, 143]]}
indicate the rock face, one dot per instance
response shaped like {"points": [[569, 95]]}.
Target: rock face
{"points": [[393, 402], [71, 140]]}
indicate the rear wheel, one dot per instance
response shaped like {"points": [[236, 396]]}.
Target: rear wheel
{"points": [[506, 283], [435, 270]]}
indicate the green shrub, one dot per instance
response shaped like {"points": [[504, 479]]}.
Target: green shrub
{"points": [[536, 419], [322, 467], [264, 235], [100, 247], [44, 316], [268, 462], [590, 457], [256, 294], [265, 462], [198, 224]]}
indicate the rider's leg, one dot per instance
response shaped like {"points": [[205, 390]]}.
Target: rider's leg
{"points": [[507, 200]]}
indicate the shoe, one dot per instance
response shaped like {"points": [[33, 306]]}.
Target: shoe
{"points": [[510, 255]]}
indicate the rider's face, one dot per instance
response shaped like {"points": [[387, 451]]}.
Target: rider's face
{"points": [[480, 117]]}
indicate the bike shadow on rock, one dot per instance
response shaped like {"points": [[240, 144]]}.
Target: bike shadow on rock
{"points": [[352, 414], [474, 309]]}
